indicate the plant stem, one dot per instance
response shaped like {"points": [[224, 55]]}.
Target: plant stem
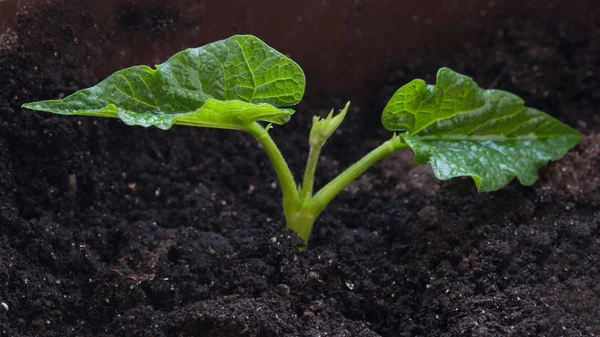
{"points": [[286, 179], [334, 187], [309, 172], [301, 208], [301, 221]]}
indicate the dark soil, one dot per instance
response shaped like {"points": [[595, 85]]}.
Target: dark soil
{"points": [[107, 230]]}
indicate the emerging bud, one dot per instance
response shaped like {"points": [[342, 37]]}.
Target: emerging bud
{"points": [[323, 128]]}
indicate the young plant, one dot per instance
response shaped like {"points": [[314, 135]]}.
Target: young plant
{"points": [[457, 127]]}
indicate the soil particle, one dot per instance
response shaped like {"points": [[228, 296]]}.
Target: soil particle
{"points": [[578, 175]]}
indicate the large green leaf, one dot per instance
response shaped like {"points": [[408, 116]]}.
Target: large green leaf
{"points": [[225, 84], [463, 130]]}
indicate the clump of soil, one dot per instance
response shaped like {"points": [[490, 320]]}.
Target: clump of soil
{"points": [[107, 230]]}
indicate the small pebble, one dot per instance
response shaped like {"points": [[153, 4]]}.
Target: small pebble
{"points": [[283, 289]]}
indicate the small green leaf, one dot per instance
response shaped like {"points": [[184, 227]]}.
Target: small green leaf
{"points": [[323, 128], [225, 84], [463, 130]]}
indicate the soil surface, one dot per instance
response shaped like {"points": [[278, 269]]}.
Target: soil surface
{"points": [[108, 230]]}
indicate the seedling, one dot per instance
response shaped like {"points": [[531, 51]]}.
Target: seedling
{"points": [[237, 83]]}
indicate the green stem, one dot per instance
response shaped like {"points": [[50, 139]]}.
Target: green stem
{"points": [[301, 221], [309, 172], [334, 187], [301, 209], [286, 179]]}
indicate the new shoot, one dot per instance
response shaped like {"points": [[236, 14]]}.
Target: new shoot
{"points": [[240, 83]]}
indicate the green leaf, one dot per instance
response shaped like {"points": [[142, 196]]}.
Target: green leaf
{"points": [[323, 128], [225, 84], [463, 130]]}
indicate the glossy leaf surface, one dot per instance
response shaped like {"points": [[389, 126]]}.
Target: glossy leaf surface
{"points": [[463, 130], [225, 84]]}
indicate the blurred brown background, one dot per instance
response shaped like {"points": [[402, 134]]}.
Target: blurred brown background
{"points": [[340, 43]]}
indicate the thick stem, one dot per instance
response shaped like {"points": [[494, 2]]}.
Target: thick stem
{"points": [[286, 179], [300, 207], [334, 187], [301, 221], [309, 172]]}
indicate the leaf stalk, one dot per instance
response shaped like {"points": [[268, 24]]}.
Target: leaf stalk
{"points": [[300, 207], [334, 187], [284, 175]]}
